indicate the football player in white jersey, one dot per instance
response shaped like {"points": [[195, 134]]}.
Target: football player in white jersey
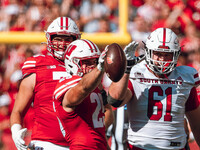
{"points": [[158, 94]]}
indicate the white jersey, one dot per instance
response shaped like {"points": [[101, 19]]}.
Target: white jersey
{"points": [[156, 112]]}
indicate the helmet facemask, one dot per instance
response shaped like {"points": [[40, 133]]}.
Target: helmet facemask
{"points": [[57, 47], [88, 64], [161, 67], [76, 65]]}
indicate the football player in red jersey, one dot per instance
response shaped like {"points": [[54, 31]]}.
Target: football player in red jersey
{"points": [[40, 76], [158, 95], [78, 100]]}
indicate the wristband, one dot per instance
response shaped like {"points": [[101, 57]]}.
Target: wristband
{"points": [[130, 64], [16, 127]]}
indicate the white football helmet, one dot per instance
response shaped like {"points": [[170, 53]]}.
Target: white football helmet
{"points": [[76, 52], [61, 26], [162, 40]]}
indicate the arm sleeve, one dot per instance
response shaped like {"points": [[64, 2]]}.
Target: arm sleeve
{"points": [[196, 79], [192, 101]]}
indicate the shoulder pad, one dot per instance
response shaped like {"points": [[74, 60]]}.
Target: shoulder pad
{"points": [[36, 61], [29, 66], [188, 75], [138, 68]]}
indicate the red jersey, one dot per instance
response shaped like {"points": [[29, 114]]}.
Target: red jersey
{"points": [[48, 71], [84, 127]]}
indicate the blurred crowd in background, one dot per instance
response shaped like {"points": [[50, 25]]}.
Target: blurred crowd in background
{"points": [[182, 16]]}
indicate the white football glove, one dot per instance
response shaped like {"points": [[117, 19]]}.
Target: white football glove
{"points": [[18, 136], [100, 65], [129, 51]]}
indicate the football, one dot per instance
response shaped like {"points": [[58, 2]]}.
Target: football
{"points": [[115, 62]]}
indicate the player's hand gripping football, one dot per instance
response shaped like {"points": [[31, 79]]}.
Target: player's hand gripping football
{"points": [[129, 51], [101, 60], [18, 136]]}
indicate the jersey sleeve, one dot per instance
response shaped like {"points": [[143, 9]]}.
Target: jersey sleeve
{"points": [[64, 85], [29, 66], [130, 86], [196, 79], [189, 75], [192, 101]]}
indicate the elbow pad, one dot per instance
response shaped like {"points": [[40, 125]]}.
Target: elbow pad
{"points": [[113, 102]]}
